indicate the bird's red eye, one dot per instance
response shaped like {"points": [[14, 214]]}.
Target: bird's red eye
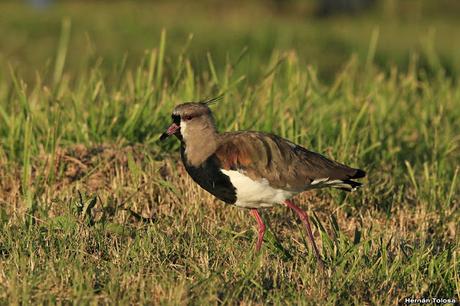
{"points": [[187, 118]]}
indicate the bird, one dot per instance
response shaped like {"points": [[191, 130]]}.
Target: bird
{"points": [[251, 169]]}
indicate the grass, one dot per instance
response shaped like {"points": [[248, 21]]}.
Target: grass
{"points": [[94, 210]]}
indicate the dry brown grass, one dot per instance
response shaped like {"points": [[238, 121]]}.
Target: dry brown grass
{"points": [[136, 191]]}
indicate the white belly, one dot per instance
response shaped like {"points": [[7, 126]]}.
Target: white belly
{"points": [[255, 194]]}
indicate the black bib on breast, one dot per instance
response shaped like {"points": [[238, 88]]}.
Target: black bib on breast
{"points": [[210, 178]]}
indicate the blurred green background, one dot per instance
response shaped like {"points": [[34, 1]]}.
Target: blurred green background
{"points": [[324, 33]]}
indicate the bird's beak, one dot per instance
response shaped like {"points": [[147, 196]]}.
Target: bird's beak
{"points": [[173, 128]]}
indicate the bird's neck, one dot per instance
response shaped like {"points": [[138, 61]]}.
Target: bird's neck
{"points": [[199, 148]]}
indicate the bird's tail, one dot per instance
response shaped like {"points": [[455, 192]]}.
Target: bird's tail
{"points": [[347, 185]]}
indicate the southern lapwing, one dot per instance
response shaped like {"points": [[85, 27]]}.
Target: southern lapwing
{"points": [[253, 169]]}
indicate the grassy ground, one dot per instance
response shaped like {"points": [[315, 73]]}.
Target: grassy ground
{"points": [[94, 210]]}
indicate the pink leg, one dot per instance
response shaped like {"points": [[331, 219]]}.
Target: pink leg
{"points": [[261, 224], [303, 216]]}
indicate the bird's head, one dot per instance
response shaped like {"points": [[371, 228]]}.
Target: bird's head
{"points": [[191, 119]]}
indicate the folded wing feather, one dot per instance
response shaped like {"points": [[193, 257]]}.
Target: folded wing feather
{"points": [[282, 163]]}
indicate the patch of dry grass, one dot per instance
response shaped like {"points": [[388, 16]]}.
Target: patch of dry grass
{"points": [[154, 236]]}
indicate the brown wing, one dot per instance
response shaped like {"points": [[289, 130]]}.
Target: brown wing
{"points": [[282, 163]]}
